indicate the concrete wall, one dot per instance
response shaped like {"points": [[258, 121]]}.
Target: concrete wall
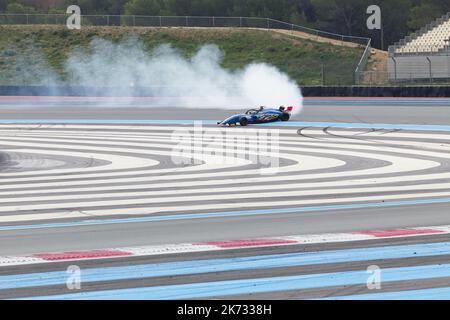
{"points": [[418, 67]]}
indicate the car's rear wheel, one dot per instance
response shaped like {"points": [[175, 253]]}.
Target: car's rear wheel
{"points": [[285, 116], [243, 122]]}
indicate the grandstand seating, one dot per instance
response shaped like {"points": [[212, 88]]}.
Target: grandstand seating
{"points": [[433, 38], [432, 41], [424, 54]]}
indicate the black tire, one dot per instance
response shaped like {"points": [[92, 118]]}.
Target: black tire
{"points": [[285, 116], [243, 122]]}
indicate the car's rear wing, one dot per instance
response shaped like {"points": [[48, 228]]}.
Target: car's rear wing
{"points": [[289, 109]]}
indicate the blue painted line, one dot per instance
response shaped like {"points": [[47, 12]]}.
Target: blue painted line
{"points": [[224, 214], [227, 264], [417, 127], [254, 286], [424, 294]]}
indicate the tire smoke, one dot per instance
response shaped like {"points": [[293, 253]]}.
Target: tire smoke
{"points": [[128, 69]]}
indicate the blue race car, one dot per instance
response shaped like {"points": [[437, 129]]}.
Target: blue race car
{"points": [[261, 115]]}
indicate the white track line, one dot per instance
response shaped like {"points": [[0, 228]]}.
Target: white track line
{"points": [[115, 162], [189, 182], [399, 164]]}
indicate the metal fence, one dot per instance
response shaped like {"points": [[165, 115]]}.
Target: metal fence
{"points": [[175, 21], [386, 78], [419, 67]]}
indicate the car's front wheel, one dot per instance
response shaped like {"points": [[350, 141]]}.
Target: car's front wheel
{"points": [[243, 121], [285, 116]]}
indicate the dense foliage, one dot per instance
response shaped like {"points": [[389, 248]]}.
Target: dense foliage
{"points": [[400, 17]]}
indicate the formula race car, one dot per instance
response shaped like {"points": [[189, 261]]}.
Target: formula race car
{"points": [[261, 115]]}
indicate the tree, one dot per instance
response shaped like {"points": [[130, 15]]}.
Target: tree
{"points": [[19, 9], [423, 14], [179, 7], [3, 4], [142, 7], [201, 8], [395, 16], [116, 7], [443, 5]]}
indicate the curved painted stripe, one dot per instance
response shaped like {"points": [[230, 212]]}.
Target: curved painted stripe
{"points": [[228, 264]]}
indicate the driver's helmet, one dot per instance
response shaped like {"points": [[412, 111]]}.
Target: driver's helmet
{"points": [[261, 108], [282, 108]]}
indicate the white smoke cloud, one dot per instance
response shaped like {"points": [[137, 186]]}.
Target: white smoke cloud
{"points": [[198, 82]]}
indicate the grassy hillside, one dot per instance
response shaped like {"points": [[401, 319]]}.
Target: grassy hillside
{"points": [[23, 49]]}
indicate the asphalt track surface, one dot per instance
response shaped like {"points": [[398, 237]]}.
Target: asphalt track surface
{"points": [[78, 178]]}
